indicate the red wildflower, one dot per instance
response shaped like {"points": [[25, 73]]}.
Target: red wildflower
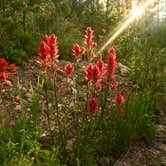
{"points": [[53, 47], [43, 50], [48, 51], [100, 65], [113, 86], [92, 106], [16, 98], [46, 39], [4, 74], [69, 68], [88, 38], [12, 67], [111, 63], [92, 73], [119, 98], [120, 110], [78, 51], [3, 65]]}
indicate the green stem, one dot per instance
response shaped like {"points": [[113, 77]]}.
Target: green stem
{"points": [[57, 109], [101, 115], [47, 111]]}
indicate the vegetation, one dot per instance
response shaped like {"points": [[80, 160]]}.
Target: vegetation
{"points": [[89, 110]]}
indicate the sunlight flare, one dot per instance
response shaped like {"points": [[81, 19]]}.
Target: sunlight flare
{"points": [[135, 14]]}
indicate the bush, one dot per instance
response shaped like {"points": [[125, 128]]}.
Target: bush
{"points": [[79, 115]]}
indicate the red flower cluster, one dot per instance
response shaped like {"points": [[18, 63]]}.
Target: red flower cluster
{"points": [[5, 73], [48, 51], [88, 38], [69, 68], [78, 51], [119, 100], [100, 73], [92, 106], [93, 73], [111, 64]]}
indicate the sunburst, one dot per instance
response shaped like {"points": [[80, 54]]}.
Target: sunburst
{"points": [[137, 12]]}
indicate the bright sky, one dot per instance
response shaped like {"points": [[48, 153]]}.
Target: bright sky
{"points": [[161, 7], [124, 24]]}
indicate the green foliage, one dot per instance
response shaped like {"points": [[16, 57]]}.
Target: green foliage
{"points": [[18, 46], [24, 22], [97, 140], [140, 110], [18, 145]]}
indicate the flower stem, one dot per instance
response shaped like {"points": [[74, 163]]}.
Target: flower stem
{"points": [[47, 111], [57, 109]]}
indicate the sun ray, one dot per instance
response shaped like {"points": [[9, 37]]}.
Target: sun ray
{"points": [[135, 14]]}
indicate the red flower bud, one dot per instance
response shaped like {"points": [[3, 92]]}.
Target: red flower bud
{"points": [[3, 65], [120, 110], [119, 98], [69, 68], [12, 67], [16, 98], [4, 73], [78, 51], [92, 106], [88, 38], [100, 65], [111, 63], [113, 86]]}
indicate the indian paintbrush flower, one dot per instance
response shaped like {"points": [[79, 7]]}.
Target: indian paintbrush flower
{"points": [[69, 68], [100, 65], [119, 98], [120, 110], [92, 73], [3, 65], [48, 50], [88, 38], [12, 67], [111, 64], [5, 72], [78, 51], [92, 106]]}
